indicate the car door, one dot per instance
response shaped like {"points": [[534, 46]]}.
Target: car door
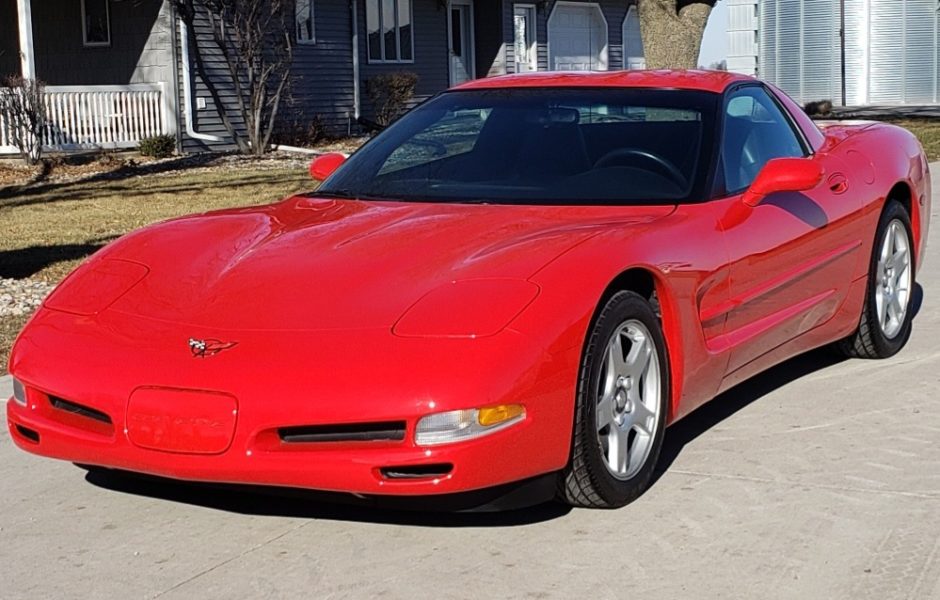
{"points": [[792, 255]]}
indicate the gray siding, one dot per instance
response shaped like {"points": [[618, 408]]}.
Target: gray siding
{"points": [[322, 74], [614, 13], [430, 52], [9, 40], [205, 120], [321, 80], [140, 50]]}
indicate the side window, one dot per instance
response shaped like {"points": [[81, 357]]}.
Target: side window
{"points": [[756, 131]]}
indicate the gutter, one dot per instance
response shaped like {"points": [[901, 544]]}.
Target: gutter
{"points": [[188, 90]]}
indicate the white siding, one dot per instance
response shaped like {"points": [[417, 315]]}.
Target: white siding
{"points": [[892, 50], [743, 36]]}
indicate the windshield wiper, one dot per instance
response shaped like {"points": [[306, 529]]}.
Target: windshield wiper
{"points": [[344, 194]]}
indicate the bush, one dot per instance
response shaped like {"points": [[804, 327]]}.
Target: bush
{"points": [[158, 146], [300, 130], [390, 94], [820, 108], [23, 106]]}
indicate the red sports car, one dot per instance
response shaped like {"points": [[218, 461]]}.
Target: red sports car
{"points": [[525, 279]]}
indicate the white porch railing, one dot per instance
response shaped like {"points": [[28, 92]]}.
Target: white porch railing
{"points": [[103, 116]]}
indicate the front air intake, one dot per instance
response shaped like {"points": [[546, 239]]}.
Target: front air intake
{"points": [[386, 431], [417, 471], [78, 409]]}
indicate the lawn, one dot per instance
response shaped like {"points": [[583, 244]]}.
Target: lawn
{"points": [[49, 227], [927, 131]]}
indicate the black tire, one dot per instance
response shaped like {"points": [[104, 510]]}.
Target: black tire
{"points": [[869, 340], [586, 481]]}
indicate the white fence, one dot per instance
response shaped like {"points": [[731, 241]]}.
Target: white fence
{"points": [[103, 116]]}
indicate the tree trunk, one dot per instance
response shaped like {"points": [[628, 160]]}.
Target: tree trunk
{"points": [[672, 32]]}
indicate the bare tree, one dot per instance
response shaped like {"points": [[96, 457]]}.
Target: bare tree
{"points": [[254, 39], [23, 107], [672, 31]]}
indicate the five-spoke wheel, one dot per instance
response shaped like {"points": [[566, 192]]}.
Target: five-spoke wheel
{"points": [[885, 324], [620, 415]]}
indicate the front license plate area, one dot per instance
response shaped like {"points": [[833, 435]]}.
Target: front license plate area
{"points": [[181, 421]]}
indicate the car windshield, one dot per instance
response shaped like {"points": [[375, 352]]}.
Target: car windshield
{"points": [[539, 146]]}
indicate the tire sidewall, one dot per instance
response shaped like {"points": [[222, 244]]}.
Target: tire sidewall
{"points": [[884, 345], [622, 307]]}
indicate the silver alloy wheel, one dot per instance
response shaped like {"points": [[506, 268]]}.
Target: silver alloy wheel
{"points": [[628, 399], [893, 287]]}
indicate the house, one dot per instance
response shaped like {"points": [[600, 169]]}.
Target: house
{"points": [[121, 70]]}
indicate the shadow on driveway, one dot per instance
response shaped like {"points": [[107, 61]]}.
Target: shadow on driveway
{"points": [[306, 504]]}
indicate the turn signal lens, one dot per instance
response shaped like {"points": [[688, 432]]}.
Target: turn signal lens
{"points": [[19, 392], [494, 415], [459, 425]]}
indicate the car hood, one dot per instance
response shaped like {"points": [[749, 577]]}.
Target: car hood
{"points": [[309, 263]]}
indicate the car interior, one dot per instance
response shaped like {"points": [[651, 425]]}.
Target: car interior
{"points": [[622, 153]]}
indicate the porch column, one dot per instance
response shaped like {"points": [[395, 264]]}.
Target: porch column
{"points": [[27, 58]]}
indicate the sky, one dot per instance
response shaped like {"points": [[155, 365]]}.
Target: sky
{"points": [[715, 41]]}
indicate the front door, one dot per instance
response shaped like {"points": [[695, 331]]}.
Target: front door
{"points": [[794, 254], [460, 31]]}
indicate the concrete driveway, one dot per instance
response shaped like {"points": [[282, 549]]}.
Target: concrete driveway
{"points": [[819, 479]]}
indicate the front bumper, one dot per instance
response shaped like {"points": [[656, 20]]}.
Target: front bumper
{"points": [[97, 366]]}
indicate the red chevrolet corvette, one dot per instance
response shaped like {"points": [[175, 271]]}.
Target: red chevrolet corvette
{"points": [[525, 279]]}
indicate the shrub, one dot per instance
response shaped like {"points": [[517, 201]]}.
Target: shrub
{"points": [[158, 146], [22, 104], [390, 94], [300, 131], [820, 108]]}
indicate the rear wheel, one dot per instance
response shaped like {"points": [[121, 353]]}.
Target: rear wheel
{"points": [[620, 413], [885, 325]]}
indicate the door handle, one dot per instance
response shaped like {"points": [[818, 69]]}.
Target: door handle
{"points": [[838, 183]]}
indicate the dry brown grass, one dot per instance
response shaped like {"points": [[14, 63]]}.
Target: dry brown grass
{"points": [[48, 228], [927, 131]]}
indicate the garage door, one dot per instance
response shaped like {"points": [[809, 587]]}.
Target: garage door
{"points": [[577, 38]]}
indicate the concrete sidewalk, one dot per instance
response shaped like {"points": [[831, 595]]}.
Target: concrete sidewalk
{"points": [[818, 479]]}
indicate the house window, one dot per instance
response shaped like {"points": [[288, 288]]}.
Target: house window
{"points": [[389, 31], [96, 25], [524, 38], [303, 22]]}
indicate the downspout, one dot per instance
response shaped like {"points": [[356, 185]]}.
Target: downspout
{"points": [[188, 90], [355, 58], [176, 83]]}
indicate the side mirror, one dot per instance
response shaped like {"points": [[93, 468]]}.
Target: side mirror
{"points": [[784, 175], [324, 165]]}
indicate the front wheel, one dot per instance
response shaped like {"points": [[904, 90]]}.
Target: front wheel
{"points": [[885, 324], [620, 413]]}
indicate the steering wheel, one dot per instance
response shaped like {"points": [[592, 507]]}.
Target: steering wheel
{"points": [[619, 155]]}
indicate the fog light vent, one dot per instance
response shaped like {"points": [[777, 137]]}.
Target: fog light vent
{"points": [[28, 434], [417, 471]]}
